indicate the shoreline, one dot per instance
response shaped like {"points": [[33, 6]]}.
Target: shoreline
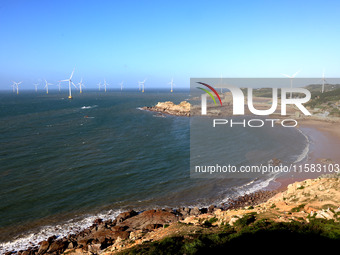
{"points": [[324, 142], [315, 129]]}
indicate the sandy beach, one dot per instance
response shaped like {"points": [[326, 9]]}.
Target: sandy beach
{"points": [[324, 136]]}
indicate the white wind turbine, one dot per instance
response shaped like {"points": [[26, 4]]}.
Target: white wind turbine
{"points": [[81, 85], [59, 86], [121, 85], [323, 82], [46, 86], [291, 77], [69, 85], [13, 87], [220, 84], [141, 84], [105, 84], [99, 85], [36, 86], [16, 85], [172, 85]]}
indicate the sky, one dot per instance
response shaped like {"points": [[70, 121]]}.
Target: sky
{"points": [[160, 40]]}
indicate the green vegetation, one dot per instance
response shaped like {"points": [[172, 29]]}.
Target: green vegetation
{"points": [[248, 236], [298, 208], [208, 223], [327, 101]]}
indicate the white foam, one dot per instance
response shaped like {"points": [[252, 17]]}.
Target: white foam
{"points": [[305, 151], [89, 107], [250, 187], [61, 230]]}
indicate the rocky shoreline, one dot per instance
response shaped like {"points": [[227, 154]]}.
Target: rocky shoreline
{"points": [[131, 225], [300, 202]]}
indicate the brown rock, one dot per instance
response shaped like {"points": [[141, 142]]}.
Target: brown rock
{"points": [[152, 227], [43, 247], [57, 246], [125, 215], [149, 217], [98, 221]]}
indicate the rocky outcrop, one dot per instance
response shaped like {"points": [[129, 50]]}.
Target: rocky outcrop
{"points": [[182, 109], [301, 201]]}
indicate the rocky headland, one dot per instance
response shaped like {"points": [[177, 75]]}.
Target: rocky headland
{"points": [[168, 107], [301, 202]]}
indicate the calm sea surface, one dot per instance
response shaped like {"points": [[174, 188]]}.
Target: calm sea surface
{"points": [[65, 162]]}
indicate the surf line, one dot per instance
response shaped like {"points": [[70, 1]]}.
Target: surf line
{"points": [[254, 123]]}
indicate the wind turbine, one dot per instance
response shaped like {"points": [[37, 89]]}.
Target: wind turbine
{"points": [[59, 86], [121, 85], [291, 80], [13, 87], [99, 85], [105, 85], [46, 86], [141, 84], [220, 84], [323, 82], [69, 85], [16, 84], [172, 85], [81, 85], [36, 86]]}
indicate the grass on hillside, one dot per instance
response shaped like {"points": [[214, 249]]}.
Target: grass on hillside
{"points": [[250, 235]]}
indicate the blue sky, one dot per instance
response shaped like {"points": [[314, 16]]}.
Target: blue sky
{"points": [[158, 40]]}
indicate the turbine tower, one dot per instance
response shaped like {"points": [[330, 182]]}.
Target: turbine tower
{"points": [[323, 82], [141, 84], [291, 77], [105, 84], [99, 85], [59, 86], [81, 85], [16, 85], [46, 86], [121, 85], [69, 85], [36, 86], [172, 85]]}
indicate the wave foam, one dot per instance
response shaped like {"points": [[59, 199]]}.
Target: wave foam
{"points": [[88, 107], [61, 230], [305, 151]]}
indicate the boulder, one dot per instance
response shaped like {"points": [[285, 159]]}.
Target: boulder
{"points": [[149, 217], [125, 215], [44, 245], [57, 246]]}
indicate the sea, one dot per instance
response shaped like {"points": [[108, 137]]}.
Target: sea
{"points": [[65, 163]]}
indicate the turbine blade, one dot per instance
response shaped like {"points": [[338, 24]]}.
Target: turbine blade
{"points": [[286, 75], [72, 74], [295, 74]]}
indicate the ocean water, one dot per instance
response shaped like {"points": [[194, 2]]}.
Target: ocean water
{"points": [[64, 163]]}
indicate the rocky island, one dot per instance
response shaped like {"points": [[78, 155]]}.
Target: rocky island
{"points": [[168, 107]]}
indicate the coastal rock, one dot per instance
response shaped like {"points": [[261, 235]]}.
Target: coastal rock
{"points": [[58, 246], [168, 107], [149, 217], [195, 211], [43, 247], [152, 227], [211, 208], [125, 215]]}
